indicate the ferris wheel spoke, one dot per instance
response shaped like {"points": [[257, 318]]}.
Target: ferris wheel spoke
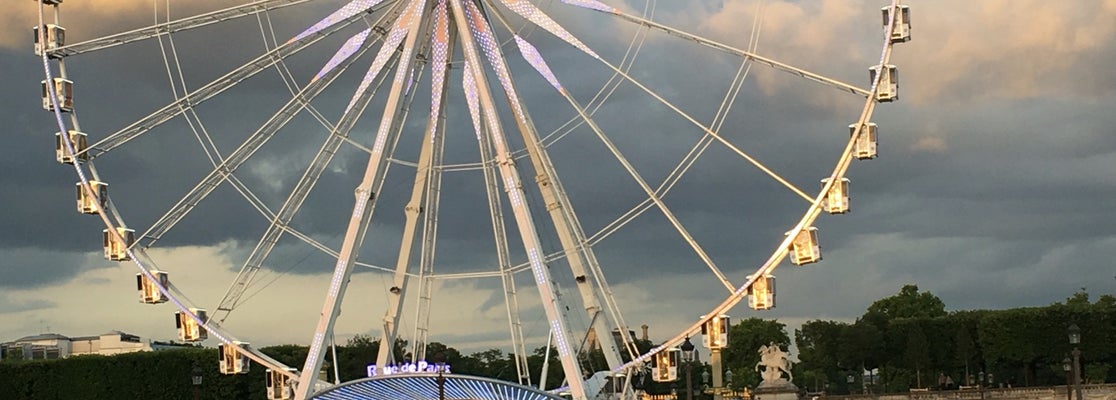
{"points": [[420, 189], [312, 242], [535, 59], [708, 131], [238, 157], [270, 42], [580, 256], [339, 134], [845, 87], [173, 27], [442, 47], [469, 20], [505, 271], [212, 89], [580, 259], [366, 195]]}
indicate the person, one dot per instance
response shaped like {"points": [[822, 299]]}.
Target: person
{"points": [[941, 381]]}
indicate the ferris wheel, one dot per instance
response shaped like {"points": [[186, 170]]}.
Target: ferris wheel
{"points": [[487, 122]]}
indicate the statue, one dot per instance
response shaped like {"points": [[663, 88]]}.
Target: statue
{"points": [[775, 363]]}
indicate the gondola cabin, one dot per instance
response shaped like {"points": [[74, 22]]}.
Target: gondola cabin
{"points": [[715, 332], [233, 361], [901, 31], [148, 290], [92, 204], [865, 146], [116, 248], [804, 249], [762, 293], [64, 90], [665, 365], [78, 140], [888, 89], [279, 385], [189, 330], [837, 199], [55, 38]]}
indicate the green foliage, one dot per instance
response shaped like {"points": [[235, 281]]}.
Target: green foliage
{"points": [[819, 343], [910, 338], [745, 338], [1095, 373], [153, 375], [908, 303], [554, 372]]}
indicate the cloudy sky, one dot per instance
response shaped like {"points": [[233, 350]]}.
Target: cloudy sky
{"points": [[991, 190]]}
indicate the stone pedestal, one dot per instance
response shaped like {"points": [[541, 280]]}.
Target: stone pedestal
{"points": [[776, 391]]}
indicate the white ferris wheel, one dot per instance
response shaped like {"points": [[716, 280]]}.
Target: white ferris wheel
{"points": [[487, 122]]}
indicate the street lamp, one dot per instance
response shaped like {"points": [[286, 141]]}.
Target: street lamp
{"points": [[688, 358], [1067, 366], [1075, 339], [196, 380], [440, 364], [728, 380]]}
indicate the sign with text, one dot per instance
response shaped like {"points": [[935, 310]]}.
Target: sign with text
{"points": [[421, 367]]}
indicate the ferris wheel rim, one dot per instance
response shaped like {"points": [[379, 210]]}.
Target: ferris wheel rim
{"points": [[140, 258]]}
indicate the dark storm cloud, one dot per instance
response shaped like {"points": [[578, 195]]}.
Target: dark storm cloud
{"points": [[8, 305], [990, 189], [34, 267]]}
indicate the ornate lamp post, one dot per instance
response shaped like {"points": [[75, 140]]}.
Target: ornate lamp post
{"points": [[1067, 366], [980, 383], [196, 380], [688, 358], [440, 365], [728, 381], [1075, 339]]}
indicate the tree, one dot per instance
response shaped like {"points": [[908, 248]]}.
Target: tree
{"points": [[965, 347], [819, 343], [908, 303], [861, 347], [554, 372], [918, 352], [745, 339]]}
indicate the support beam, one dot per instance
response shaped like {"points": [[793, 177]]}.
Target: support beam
{"points": [[513, 185], [582, 261], [365, 202]]}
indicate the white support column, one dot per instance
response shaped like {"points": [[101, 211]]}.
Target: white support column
{"points": [[579, 255], [548, 291], [412, 211], [365, 202], [507, 274], [442, 47]]}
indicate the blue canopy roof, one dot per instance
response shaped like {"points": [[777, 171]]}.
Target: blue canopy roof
{"points": [[425, 386]]}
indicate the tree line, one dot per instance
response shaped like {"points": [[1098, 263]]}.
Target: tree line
{"points": [[907, 341], [912, 342]]}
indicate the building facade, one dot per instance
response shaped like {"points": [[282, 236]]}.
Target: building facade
{"points": [[53, 345]]}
